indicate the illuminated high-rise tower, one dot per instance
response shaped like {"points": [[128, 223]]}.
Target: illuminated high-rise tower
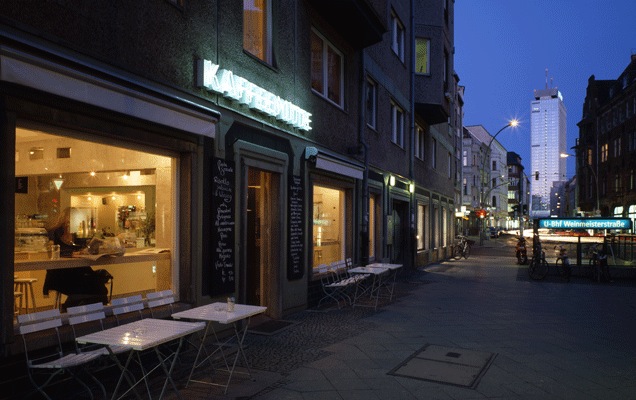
{"points": [[548, 141]]}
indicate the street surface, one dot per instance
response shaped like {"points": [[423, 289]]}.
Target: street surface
{"points": [[547, 340]]}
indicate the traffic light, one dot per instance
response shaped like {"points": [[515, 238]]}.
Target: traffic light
{"points": [[525, 208], [515, 208]]}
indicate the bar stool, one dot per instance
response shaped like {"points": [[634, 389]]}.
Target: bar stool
{"points": [[17, 297], [25, 286]]}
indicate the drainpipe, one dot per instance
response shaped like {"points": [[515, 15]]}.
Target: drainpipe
{"points": [[413, 202], [364, 226]]}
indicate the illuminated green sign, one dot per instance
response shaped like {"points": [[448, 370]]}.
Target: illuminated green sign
{"points": [[586, 223]]}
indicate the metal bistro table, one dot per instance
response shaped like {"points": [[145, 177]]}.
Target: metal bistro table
{"points": [[373, 289], [389, 281], [144, 334], [217, 312]]}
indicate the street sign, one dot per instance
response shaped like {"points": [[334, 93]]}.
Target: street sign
{"points": [[585, 223]]}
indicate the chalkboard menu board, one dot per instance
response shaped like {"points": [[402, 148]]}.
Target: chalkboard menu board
{"points": [[295, 264], [223, 258]]}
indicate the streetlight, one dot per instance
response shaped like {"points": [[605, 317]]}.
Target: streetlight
{"points": [[598, 203], [511, 124]]}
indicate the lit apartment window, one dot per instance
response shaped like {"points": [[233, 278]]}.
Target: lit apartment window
{"points": [[327, 69], [397, 124], [422, 60], [257, 29], [419, 142], [397, 36], [604, 149], [372, 102]]}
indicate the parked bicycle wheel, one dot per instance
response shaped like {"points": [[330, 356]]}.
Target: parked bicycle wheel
{"points": [[466, 251], [538, 269], [457, 252]]}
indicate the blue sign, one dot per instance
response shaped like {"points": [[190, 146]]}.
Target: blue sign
{"points": [[586, 223]]}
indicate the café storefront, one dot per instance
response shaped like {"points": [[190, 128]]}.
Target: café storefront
{"points": [[104, 159]]}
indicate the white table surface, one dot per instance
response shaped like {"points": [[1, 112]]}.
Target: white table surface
{"points": [[376, 270], [143, 334], [385, 265], [217, 312]]}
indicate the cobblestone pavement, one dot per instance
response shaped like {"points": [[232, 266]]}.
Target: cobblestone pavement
{"points": [[551, 339]]}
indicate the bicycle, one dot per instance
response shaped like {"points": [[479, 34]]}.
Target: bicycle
{"points": [[538, 267], [462, 248], [599, 270], [562, 262]]}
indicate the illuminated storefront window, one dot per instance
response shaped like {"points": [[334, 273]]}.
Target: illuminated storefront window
{"points": [[328, 225], [101, 204]]}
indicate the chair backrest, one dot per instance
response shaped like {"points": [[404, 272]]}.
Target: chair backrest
{"points": [[127, 305], [33, 323], [84, 319], [339, 269], [159, 299]]}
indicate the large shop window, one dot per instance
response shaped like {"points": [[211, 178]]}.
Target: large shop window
{"points": [[105, 206], [328, 225]]}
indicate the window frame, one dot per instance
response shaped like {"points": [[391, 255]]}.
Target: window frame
{"points": [[426, 62], [398, 33], [327, 49], [371, 103], [420, 140], [397, 124], [265, 51]]}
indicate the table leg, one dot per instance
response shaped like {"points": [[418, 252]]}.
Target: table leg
{"points": [[208, 356]]}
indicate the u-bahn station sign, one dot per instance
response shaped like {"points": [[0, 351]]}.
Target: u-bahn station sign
{"points": [[585, 223]]}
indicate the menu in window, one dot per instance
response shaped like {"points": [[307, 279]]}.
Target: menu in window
{"points": [[223, 258], [295, 264]]}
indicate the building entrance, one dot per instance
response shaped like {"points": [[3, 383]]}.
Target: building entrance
{"points": [[262, 237]]}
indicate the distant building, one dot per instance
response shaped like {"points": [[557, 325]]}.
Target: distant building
{"points": [[485, 175], [548, 141], [517, 187], [605, 150]]}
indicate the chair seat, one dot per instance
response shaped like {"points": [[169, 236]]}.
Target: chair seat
{"points": [[68, 361]]}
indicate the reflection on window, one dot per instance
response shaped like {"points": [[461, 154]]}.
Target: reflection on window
{"points": [[257, 29], [422, 63], [95, 200], [372, 227], [327, 69], [372, 102], [421, 234], [397, 124], [328, 225], [397, 36]]}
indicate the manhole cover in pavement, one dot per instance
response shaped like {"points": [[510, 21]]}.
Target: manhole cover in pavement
{"points": [[449, 365]]}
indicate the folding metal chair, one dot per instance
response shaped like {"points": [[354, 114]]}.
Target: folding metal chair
{"points": [[160, 299], [43, 366], [86, 319], [128, 308]]}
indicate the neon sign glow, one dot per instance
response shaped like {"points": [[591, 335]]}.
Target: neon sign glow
{"points": [[245, 92]]}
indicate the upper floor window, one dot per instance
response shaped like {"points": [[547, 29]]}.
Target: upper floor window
{"points": [[422, 58], [450, 165], [327, 69], [494, 165], [257, 29], [419, 142], [372, 102], [397, 36], [434, 154], [397, 124], [604, 149]]}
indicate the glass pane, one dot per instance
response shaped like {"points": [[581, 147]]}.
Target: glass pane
{"points": [[328, 216], [95, 202], [317, 78], [334, 68], [255, 28]]}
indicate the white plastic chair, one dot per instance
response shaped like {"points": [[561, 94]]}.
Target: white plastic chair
{"points": [[51, 363]]}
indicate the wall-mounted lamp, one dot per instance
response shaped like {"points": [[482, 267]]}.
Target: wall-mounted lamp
{"points": [[392, 180], [411, 188]]}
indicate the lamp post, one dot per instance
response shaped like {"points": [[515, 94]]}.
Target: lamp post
{"points": [[597, 210], [484, 176]]}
